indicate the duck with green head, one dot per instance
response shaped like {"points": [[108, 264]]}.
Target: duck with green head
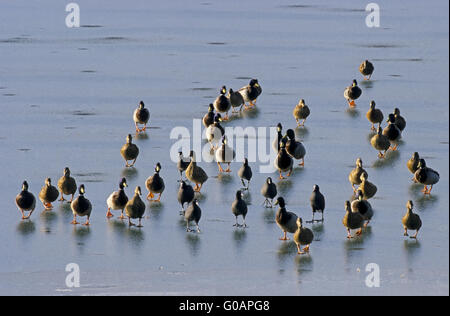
{"points": [[155, 185], [25, 201], [222, 103], [81, 206], [117, 200], [399, 120], [251, 92]]}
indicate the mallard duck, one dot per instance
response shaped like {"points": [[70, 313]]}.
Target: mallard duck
{"points": [[317, 201], [208, 119], [141, 116], [269, 192], [117, 200], [215, 131], [236, 100], [129, 151], [277, 140], [251, 92], [413, 163], [224, 154], [196, 174], [135, 208], [239, 208], [287, 221], [366, 69], [48, 194], [411, 220], [245, 173], [25, 201], [193, 213], [352, 220], [67, 185], [362, 207], [392, 132], [155, 184], [375, 116], [222, 103], [399, 120], [352, 93], [185, 195], [380, 142], [283, 162], [355, 175], [295, 148], [301, 112], [81, 207], [368, 188], [426, 176], [303, 237], [183, 163]]}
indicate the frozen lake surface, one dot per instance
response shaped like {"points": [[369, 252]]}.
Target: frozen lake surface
{"points": [[67, 98]]}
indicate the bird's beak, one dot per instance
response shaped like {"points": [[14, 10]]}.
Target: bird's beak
{"points": [[125, 184], [257, 85], [276, 202]]}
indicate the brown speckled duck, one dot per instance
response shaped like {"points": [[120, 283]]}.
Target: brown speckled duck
{"points": [[355, 175], [48, 194], [196, 174], [374, 115], [301, 112]]}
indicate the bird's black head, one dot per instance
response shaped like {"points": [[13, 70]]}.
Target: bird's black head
{"points": [[280, 201], [391, 118], [223, 90], [123, 183], [157, 167], [141, 105], [422, 163], [81, 190], [316, 188], [210, 107], [25, 186], [290, 134]]}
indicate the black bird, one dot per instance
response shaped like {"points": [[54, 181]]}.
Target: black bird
{"points": [[269, 191], [81, 207], [317, 202], [185, 195], [239, 207], [208, 119], [183, 163], [25, 201], [245, 173], [392, 132], [193, 213]]}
